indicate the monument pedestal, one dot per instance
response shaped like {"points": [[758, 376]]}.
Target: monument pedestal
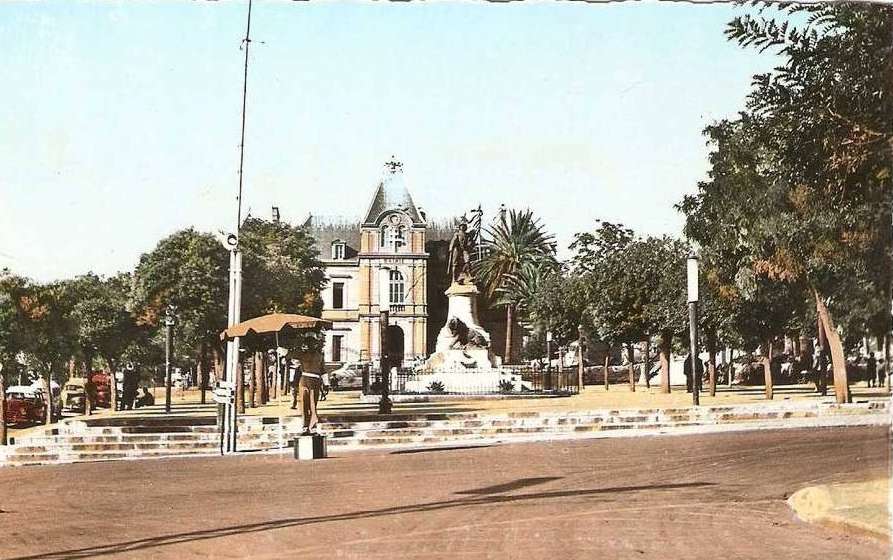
{"points": [[310, 447]]}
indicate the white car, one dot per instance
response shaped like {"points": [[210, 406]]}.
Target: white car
{"points": [[348, 376]]}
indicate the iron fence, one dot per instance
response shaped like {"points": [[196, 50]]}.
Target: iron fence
{"points": [[521, 381]]}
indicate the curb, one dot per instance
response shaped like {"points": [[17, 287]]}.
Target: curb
{"points": [[816, 505]]}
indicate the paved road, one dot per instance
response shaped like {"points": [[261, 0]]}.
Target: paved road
{"points": [[688, 497]]}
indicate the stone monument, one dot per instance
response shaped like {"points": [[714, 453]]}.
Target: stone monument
{"points": [[463, 361]]}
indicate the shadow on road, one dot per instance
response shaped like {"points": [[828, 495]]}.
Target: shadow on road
{"points": [[433, 449], [192, 536]]}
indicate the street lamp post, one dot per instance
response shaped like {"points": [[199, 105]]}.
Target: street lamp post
{"points": [[580, 358], [2, 408], [547, 381], [693, 326], [384, 403], [169, 321]]}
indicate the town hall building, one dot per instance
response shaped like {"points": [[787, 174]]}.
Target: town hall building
{"points": [[377, 264]]}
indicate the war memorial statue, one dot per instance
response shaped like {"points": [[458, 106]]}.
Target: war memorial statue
{"points": [[460, 259], [463, 360]]}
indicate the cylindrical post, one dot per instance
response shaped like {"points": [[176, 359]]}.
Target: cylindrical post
{"points": [[692, 284], [2, 407], [579, 358], [384, 403], [693, 341], [168, 326]]}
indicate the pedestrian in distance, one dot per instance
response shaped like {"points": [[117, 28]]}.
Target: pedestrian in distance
{"points": [[686, 368], [294, 379], [129, 388], [871, 370]]}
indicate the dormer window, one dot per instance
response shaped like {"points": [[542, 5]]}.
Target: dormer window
{"points": [[338, 250]]}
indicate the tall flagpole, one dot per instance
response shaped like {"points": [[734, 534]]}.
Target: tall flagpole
{"points": [[233, 363]]}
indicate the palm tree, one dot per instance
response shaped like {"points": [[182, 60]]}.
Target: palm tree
{"points": [[508, 245]]}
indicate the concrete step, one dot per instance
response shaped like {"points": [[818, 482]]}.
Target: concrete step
{"points": [[86, 456]]}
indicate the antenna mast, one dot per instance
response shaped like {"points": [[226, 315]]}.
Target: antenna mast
{"points": [[247, 42]]}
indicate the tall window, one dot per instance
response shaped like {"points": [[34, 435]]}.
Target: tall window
{"points": [[392, 237], [336, 347], [338, 295], [396, 287]]}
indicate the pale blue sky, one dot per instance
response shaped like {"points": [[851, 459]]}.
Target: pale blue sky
{"points": [[119, 121]]}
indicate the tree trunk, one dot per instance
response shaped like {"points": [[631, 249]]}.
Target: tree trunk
{"points": [[259, 378], [631, 354], [252, 382], [666, 339], [767, 370], [240, 386], [89, 405], [838, 360], [580, 361], [203, 372], [264, 386], [275, 387], [607, 361], [113, 383], [509, 320], [48, 396], [646, 364], [887, 371], [711, 364]]}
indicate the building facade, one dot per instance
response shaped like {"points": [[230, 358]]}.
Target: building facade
{"points": [[373, 265]]}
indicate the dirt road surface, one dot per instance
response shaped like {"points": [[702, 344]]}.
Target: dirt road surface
{"points": [[687, 497]]}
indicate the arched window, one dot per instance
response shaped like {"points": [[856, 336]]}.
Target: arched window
{"points": [[397, 287], [399, 237], [383, 236]]}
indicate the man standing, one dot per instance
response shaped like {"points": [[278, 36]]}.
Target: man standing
{"points": [[311, 385]]}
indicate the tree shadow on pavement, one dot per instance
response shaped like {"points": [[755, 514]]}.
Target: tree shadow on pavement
{"points": [[192, 536]]}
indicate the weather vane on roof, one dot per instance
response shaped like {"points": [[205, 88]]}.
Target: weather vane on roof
{"points": [[394, 165]]}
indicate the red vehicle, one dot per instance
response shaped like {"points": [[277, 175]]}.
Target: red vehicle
{"points": [[24, 406], [103, 383]]}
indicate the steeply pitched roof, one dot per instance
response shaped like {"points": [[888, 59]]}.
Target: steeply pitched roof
{"points": [[392, 194], [326, 230]]}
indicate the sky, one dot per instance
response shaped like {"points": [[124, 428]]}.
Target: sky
{"points": [[120, 121]]}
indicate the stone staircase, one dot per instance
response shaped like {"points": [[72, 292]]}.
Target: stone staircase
{"points": [[153, 434]]}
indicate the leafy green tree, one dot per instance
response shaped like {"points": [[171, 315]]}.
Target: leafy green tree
{"points": [[98, 312], [188, 270], [14, 292], [513, 241], [281, 272], [805, 172]]}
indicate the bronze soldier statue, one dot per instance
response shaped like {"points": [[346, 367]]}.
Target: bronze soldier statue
{"points": [[460, 261]]}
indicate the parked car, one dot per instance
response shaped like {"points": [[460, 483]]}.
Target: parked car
{"points": [[74, 395], [348, 376], [24, 405]]}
